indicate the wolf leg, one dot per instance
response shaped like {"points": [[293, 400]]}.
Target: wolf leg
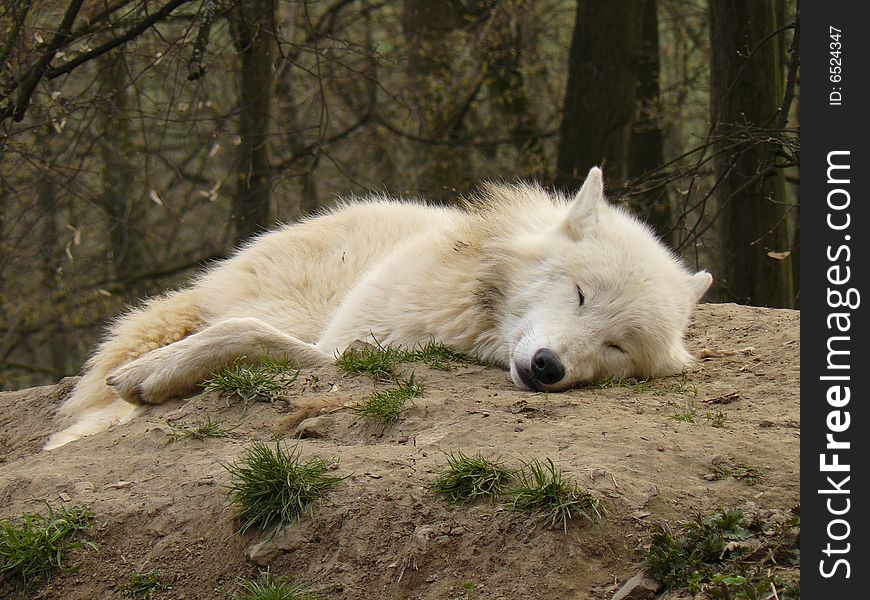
{"points": [[176, 369]]}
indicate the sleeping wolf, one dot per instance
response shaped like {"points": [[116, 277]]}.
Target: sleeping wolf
{"points": [[557, 291]]}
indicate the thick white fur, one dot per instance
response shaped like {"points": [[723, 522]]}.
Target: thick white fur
{"points": [[498, 278]]}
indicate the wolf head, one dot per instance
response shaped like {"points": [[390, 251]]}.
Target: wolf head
{"points": [[588, 292]]}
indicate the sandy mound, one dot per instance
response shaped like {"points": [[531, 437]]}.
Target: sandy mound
{"points": [[383, 534]]}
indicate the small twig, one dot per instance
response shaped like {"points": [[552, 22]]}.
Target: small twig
{"points": [[22, 9], [131, 33], [793, 66], [38, 70], [196, 65]]}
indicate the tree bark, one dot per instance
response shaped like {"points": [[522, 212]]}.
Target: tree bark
{"points": [[253, 25], [646, 146], [51, 279], [503, 71], [746, 92], [124, 213], [426, 27], [600, 96]]}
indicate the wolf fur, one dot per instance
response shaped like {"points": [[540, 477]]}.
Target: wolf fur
{"points": [[557, 291]]}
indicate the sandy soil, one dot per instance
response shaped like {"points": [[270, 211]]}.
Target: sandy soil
{"points": [[383, 534]]}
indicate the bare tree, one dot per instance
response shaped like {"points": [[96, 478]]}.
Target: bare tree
{"points": [[441, 115], [600, 97], [117, 199], [646, 145], [254, 32], [746, 96]]}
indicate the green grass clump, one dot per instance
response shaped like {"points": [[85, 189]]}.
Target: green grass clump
{"points": [[716, 419], [436, 355], [33, 545], [144, 585], [682, 386], [685, 413], [264, 381], [468, 478], [727, 556], [543, 490], [467, 591], [637, 386], [746, 473], [200, 430], [380, 362], [383, 362], [267, 588], [273, 487], [385, 406]]}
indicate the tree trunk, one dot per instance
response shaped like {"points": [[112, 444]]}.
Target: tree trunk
{"points": [[426, 26], [507, 88], [646, 147], [746, 91], [253, 25], [600, 97], [51, 280], [124, 213]]}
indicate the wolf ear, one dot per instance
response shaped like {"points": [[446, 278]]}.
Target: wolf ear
{"points": [[584, 207], [700, 282]]}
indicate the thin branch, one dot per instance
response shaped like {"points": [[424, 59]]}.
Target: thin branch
{"points": [[196, 65], [313, 148], [793, 66], [90, 23], [23, 9], [131, 33], [38, 70]]}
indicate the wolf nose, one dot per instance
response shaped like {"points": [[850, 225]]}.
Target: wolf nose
{"points": [[546, 367]]}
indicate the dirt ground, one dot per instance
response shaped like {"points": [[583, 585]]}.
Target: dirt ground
{"points": [[383, 534]]}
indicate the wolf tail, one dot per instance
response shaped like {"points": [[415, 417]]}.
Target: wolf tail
{"points": [[93, 406]]}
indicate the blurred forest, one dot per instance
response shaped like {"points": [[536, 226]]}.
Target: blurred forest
{"points": [[141, 139]]}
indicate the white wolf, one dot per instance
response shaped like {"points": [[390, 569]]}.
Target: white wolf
{"points": [[557, 291]]}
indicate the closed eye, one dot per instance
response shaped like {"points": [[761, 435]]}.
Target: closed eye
{"points": [[616, 347], [580, 295]]}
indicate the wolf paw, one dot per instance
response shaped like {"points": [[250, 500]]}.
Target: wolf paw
{"points": [[131, 383]]}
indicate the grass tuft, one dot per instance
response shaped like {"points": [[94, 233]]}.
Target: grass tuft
{"points": [[265, 381], [273, 487], [543, 490], [467, 591], [385, 406], [746, 473], [144, 585], [682, 386], [200, 430], [468, 478], [716, 419], [33, 545], [685, 413], [436, 355], [637, 386], [727, 556], [380, 362], [265, 587]]}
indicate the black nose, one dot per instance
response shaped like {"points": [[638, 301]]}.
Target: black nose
{"points": [[546, 367]]}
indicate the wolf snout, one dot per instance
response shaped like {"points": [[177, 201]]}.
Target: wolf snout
{"points": [[546, 367]]}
